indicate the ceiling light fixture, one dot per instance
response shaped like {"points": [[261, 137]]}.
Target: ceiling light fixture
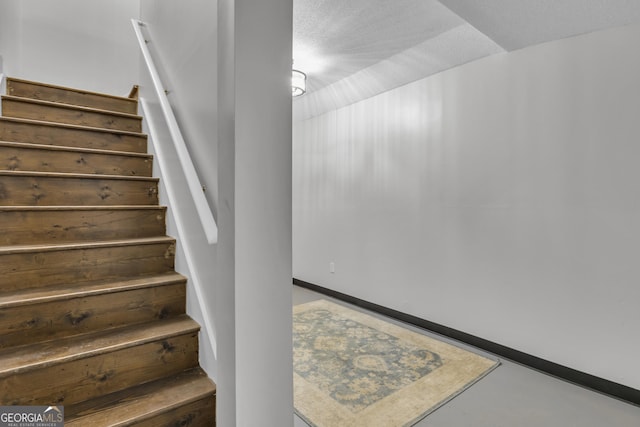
{"points": [[298, 83]]}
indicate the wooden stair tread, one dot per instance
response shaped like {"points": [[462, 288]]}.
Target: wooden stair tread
{"points": [[49, 133], [143, 402], [40, 355], [54, 293], [20, 188], [70, 106], [13, 249], [25, 156], [25, 225], [71, 89], [81, 208], [133, 103], [68, 126], [75, 149], [77, 175], [27, 107]]}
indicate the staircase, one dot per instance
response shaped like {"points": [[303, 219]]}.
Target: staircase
{"points": [[92, 313]]}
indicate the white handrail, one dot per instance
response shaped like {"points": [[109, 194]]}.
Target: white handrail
{"points": [[197, 193], [2, 75], [172, 194], [2, 78]]}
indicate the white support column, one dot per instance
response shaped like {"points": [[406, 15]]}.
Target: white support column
{"points": [[254, 250]]}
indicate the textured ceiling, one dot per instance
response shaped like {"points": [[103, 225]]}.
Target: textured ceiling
{"points": [[354, 49], [333, 39]]}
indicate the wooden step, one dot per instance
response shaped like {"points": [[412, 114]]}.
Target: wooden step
{"points": [[60, 189], [65, 95], [23, 225], [187, 399], [48, 133], [92, 312], [49, 158], [34, 315], [38, 266], [76, 369], [33, 109]]}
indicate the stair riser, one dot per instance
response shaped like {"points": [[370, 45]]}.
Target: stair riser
{"points": [[79, 380], [47, 134], [67, 267], [63, 114], [53, 226], [54, 94], [201, 413], [50, 320], [63, 191], [45, 160]]}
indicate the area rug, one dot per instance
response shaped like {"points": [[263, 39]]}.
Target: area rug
{"points": [[351, 369]]}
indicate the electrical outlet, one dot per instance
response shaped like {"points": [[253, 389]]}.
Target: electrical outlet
{"points": [[332, 267]]}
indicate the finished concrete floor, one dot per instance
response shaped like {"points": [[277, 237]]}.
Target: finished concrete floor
{"points": [[514, 396]]}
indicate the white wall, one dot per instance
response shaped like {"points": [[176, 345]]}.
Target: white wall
{"points": [[237, 125], [9, 28], [80, 43], [182, 41], [184, 45], [499, 198]]}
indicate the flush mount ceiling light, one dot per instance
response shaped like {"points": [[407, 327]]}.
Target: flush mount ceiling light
{"points": [[298, 83]]}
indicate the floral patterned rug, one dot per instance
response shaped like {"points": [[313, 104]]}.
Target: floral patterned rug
{"points": [[351, 369]]}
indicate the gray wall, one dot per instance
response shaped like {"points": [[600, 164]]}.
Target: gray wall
{"points": [[499, 198], [87, 44]]}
